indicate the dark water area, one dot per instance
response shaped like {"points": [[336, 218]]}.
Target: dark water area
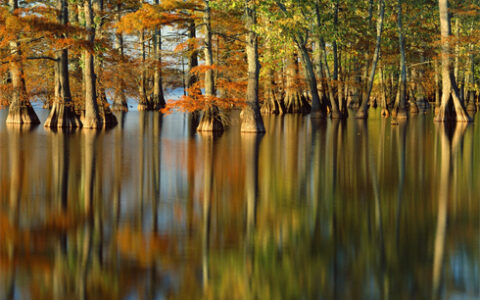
{"points": [[310, 210]]}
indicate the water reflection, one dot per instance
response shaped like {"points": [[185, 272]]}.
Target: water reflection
{"points": [[311, 210]]}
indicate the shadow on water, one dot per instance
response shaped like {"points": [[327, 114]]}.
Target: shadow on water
{"points": [[310, 210]]}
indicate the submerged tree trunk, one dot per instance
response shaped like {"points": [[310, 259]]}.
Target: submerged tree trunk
{"points": [[142, 88], [211, 117], [192, 88], [319, 107], [158, 100], [471, 106], [251, 118], [272, 103], [20, 110], [92, 118], [400, 109], [108, 118], [295, 101], [119, 100], [363, 111], [449, 86], [63, 113]]}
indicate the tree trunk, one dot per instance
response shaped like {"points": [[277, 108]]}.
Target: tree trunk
{"points": [[319, 107], [363, 111], [272, 103], [143, 101], [63, 113], [158, 97], [108, 118], [295, 101], [192, 87], [400, 109], [210, 119], [449, 86], [92, 118], [471, 107], [251, 119], [119, 100], [336, 114], [20, 110]]}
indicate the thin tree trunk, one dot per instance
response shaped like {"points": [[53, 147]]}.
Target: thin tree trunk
{"points": [[143, 101], [363, 111], [63, 113], [20, 110], [158, 97], [119, 100], [400, 110], [251, 118], [193, 90]]}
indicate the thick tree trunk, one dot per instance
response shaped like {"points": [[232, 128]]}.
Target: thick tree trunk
{"points": [[63, 113], [119, 100], [251, 118], [400, 105], [211, 117], [91, 118], [20, 110], [450, 91], [363, 111]]}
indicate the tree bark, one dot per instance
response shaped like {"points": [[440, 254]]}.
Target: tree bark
{"points": [[158, 97], [295, 101], [63, 113], [449, 86], [210, 119], [119, 100], [363, 111], [400, 110], [251, 118], [20, 110], [91, 119]]}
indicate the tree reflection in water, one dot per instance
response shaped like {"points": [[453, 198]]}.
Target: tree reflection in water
{"points": [[332, 210]]}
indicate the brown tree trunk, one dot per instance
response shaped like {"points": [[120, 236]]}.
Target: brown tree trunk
{"points": [[158, 97], [192, 79], [363, 111], [92, 118], [143, 101], [63, 113], [20, 110], [251, 118], [401, 105], [210, 119], [119, 100], [295, 101], [449, 86]]}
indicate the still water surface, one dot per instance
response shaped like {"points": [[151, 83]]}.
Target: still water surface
{"points": [[354, 210]]}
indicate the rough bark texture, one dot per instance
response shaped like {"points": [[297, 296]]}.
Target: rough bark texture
{"points": [[251, 118], [63, 113], [158, 99], [363, 111], [272, 104], [450, 91], [20, 110], [295, 101], [192, 78], [91, 118], [210, 119], [142, 88], [119, 100], [400, 105]]}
